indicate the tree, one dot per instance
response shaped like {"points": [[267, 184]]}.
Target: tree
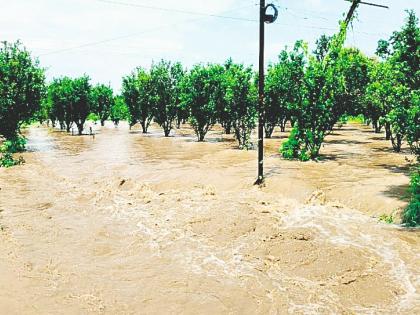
{"points": [[354, 67], [81, 103], [22, 88], [282, 89], [60, 96], [324, 87], [200, 89], [224, 112], [403, 49], [119, 110], [138, 94], [242, 97], [165, 81], [376, 99], [42, 115], [413, 121], [102, 101], [397, 118]]}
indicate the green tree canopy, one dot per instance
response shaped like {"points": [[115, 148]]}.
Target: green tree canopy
{"points": [[22, 88], [200, 91], [102, 98], [165, 79]]}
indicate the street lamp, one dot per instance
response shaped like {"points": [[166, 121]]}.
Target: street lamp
{"points": [[265, 17]]}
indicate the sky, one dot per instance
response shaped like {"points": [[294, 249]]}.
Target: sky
{"points": [[107, 39]]}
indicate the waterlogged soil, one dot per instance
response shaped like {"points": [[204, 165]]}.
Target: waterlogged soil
{"points": [[126, 223]]}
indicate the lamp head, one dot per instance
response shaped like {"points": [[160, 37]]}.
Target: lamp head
{"points": [[271, 18]]}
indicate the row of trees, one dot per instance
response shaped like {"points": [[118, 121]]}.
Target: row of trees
{"points": [[71, 101], [312, 91], [206, 95], [315, 91]]}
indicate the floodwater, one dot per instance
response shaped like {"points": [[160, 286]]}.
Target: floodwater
{"points": [[127, 223]]}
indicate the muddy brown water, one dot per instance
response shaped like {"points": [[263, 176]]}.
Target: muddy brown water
{"points": [[138, 224]]}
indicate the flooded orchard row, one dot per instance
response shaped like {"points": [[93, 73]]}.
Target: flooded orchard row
{"points": [[126, 223]]}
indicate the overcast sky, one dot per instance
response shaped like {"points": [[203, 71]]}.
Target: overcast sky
{"points": [[107, 39]]}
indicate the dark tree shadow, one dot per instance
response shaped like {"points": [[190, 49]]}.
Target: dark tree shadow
{"points": [[378, 138], [405, 151], [345, 142], [399, 192], [395, 169]]}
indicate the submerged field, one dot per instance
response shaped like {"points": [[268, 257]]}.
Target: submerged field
{"points": [[128, 223]]}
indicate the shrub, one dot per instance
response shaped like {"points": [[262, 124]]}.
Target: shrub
{"points": [[411, 215], [292, 148], [8, 148], [14, 145]]}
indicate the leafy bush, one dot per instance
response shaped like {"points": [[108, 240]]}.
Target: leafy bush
{"points": [[7, 160], [8, 148], [411, 215], [93, 117], [388, 219], [292, 148], [14, 145]]}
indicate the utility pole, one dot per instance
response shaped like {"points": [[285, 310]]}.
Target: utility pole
{"points": [[271, 18], [264, 18], [354, 6]]}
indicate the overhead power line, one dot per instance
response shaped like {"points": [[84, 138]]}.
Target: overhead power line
{"points": [[151, 30], [151, 7], [203, 16]]}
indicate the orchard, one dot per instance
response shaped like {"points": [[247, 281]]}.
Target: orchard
{"points": [[306, 93]]}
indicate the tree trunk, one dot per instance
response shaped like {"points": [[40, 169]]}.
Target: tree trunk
{"points": [[80, 129], [102, 123], [144, 126], [388, 131], [396, 143], [228, 128], [283, 126], [269, 131]]}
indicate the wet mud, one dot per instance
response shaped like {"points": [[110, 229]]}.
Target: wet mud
{"points": [[127, 223]]}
